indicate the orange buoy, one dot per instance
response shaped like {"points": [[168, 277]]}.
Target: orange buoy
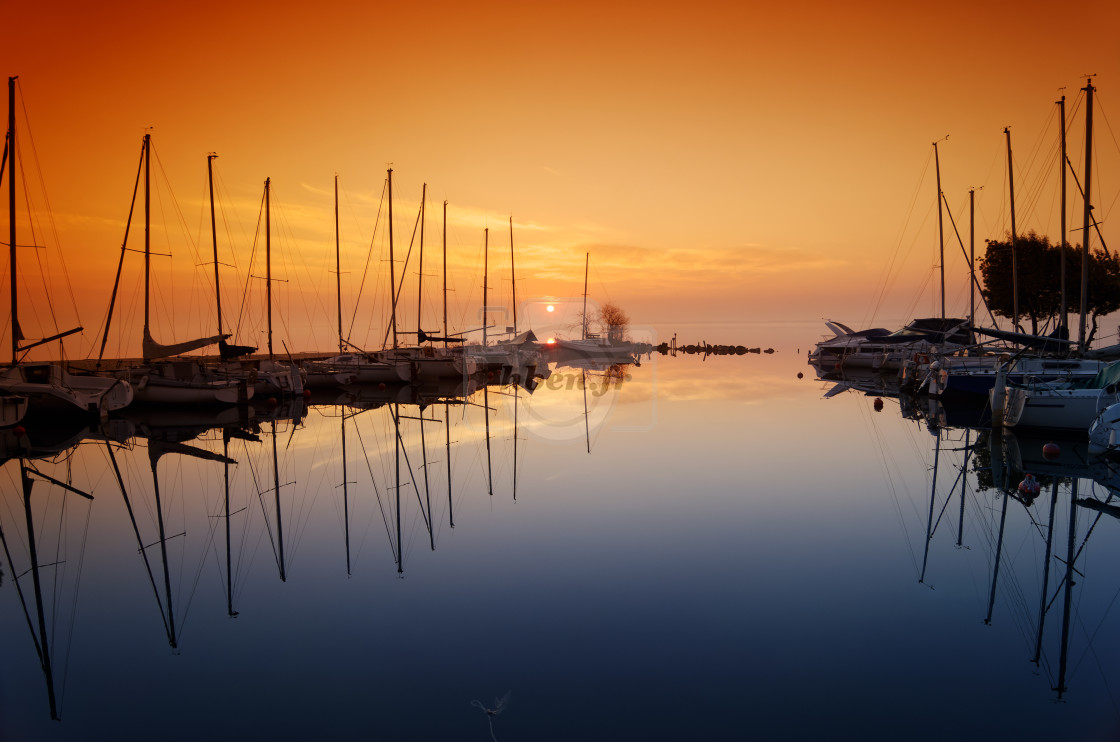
{"points": [[272, 402], [19, 430], [381, 386], [1051, 451], [878, 404], [307, 394]]}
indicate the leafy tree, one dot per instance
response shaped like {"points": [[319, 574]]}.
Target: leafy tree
{"points": [[1039, 268]]}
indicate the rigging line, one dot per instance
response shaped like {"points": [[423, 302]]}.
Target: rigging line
{"points": [[249, 272], [888, 267], [869, 425], [74, 607], [212, 524], [45, 195], [972, 273], [411, 476], [377, 491], [404, 271], [35, 241], [369, 258]]}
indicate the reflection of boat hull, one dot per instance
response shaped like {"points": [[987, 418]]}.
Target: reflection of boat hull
{"points": [[12, 409], [1059, 409]]}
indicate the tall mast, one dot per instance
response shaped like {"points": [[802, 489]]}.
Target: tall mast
{"points": [[1064, 312], [586, 264], [147, 231], [214, 233], [485, 278], [1014, 237], [12, 212], [268, 258], [512, 275], [971, 265], [420, 271], [392, 267], [445, 336], [338, 271], [1088, 212], [279, 512], [940, 228]]}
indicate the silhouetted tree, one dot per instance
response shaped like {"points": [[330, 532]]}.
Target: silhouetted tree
{"points": [[614, 321], [1039, 267]]}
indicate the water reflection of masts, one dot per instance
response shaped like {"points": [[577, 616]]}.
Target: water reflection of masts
{"points": [[39, 638], [997, 455], [426, 502], [962, 479], [345, 494], [278, 544], [140, 541]]}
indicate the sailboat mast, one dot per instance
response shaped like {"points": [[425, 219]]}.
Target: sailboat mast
{"points": [[214, 233], [147, 232], [445, 335], [485, 278], [12, 213], [420, 270], [586, 264], [268, 257], [1088, 212], [337, 265], [512, 276], [392, 266], [940, 228], [971, 265], [1064, 312], [1014, 237]]}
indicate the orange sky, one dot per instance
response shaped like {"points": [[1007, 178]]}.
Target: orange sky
{"points": [[719, 161]]}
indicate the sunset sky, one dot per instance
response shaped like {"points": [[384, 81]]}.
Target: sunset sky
{"points": [[719, 161]]}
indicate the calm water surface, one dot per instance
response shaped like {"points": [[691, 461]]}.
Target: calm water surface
{"points": [[735, 558]]}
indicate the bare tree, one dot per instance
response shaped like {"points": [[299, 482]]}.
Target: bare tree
{"points": [[614, 321]]}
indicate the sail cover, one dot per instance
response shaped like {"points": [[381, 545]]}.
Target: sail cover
{"points": [[152, 349]]}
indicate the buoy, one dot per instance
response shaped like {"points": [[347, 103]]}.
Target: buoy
{"points": [[381, 386], [272, 402], [1051, 451], [307, 394], [878, 404], [19, 430], [800, 375], [1029, 486]]}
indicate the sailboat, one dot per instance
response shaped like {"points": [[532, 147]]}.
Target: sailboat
{"points": [[422, 361], [180, 381], [267, 376], [354, 368], [46, 389], [1070, 405]]}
